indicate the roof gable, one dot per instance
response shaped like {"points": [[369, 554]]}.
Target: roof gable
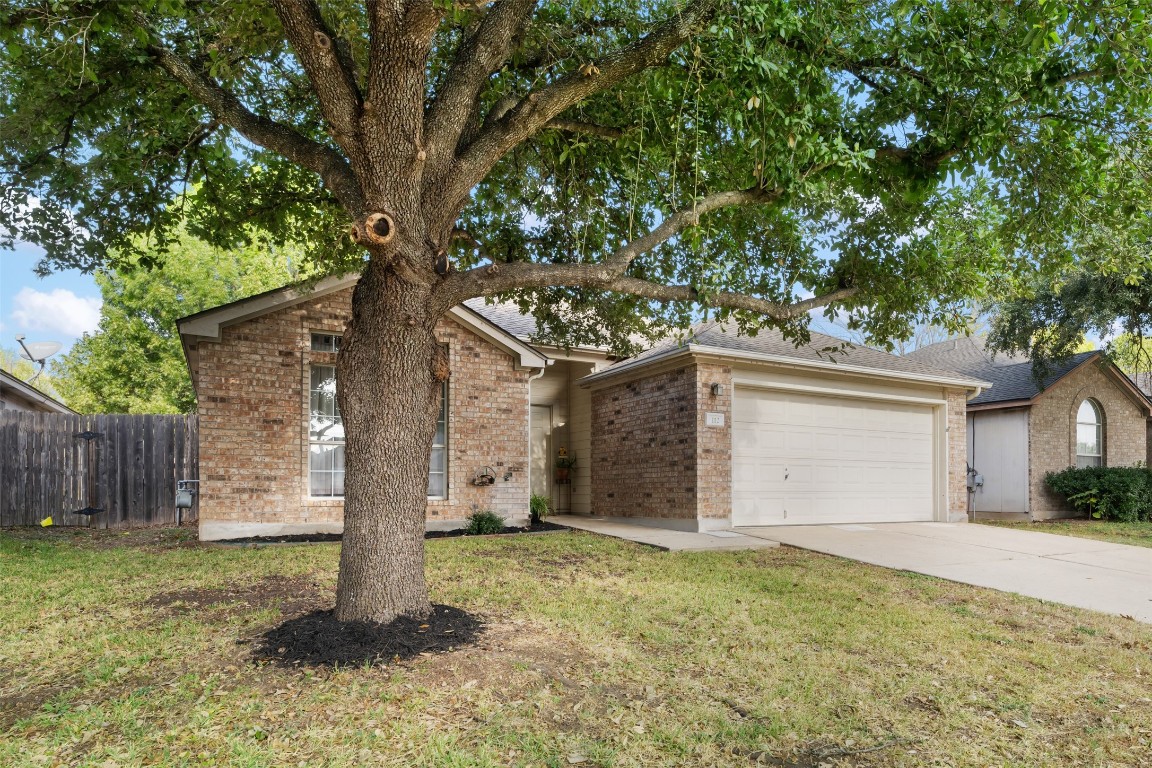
{"points": [[1011, 375], [206, 326], [770, 346]]}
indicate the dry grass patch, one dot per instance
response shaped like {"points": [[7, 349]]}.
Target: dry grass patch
{"points": [[1137, 534], [595, 653]]}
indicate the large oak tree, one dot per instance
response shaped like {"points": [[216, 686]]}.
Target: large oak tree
{"points": [[761, 158]]}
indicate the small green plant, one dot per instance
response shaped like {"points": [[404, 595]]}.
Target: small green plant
{"points": [[565, 462], [484, 522], [539, 506]]}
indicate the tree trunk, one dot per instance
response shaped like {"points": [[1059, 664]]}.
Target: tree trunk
{"points": [[389, 379]]}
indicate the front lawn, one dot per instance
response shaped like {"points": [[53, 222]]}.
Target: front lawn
{"points": [[134, 650], [1138, 534]]}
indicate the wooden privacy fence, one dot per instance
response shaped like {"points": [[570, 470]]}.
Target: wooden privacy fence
{"points": [[127, 467]]}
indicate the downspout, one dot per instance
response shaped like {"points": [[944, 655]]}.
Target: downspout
{"points": [[549, 361]]}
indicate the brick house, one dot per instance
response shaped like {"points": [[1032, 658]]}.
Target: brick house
{"points": [[712, 431], [1085, 412]]}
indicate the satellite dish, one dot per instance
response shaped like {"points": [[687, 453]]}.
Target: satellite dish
{"points": [[39, 351]]}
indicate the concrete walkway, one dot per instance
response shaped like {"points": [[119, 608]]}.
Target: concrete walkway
{"points": [[662, 538], [1113, 578]]}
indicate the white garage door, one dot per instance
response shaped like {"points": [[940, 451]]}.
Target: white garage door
{"points": [[800, 459]]}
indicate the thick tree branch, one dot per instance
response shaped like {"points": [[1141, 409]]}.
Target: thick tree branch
{"points": [[494, 279], [225, 107], [479, 55], [687, 217], [542, 106], [589, 129], [727, 299], [332, 78]]}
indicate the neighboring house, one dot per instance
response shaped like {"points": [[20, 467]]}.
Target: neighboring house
{"points": [[1085, 412], [715, 431], [17, 395]]}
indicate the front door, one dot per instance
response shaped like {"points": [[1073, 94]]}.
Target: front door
{"points": [[541, 448]]}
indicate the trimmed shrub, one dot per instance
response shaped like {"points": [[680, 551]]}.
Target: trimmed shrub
{"points": [[484, 522], [1106, 493]]}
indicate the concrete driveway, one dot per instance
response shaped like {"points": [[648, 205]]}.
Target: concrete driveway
{"points": [[1113, 578]]}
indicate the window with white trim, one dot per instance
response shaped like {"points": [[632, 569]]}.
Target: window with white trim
{"points": [[325, 435], [1089, 435], [326, 439], [438, 466]]}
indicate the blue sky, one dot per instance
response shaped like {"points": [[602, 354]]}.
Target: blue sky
{"points": [[60, 307]]}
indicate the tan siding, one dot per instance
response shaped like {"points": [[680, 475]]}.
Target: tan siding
{"points": [[551, 389], [580, 439]]}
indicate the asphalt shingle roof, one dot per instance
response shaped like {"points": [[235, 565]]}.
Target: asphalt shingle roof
{"points": [[507, 316], [1011, 376], [821, 348]]}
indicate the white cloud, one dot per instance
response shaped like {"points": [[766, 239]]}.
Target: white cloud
{"points": [[57, 311]]}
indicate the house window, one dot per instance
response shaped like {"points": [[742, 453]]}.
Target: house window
{"points": [[325, 342], [325, 434], [438, 468], [326, 439], [1089, 435]]}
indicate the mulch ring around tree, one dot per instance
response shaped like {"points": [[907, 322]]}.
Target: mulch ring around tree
{"points": [[315, 538], [317, 639]]}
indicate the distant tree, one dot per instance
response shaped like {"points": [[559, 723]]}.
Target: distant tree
{"points": [[1132, 352], [24, 369], [133, 363], [1048, 319]]}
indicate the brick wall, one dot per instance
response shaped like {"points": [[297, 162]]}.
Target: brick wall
{"points": [[253, 403], [644, 446], [1052, 433], [655, 457], [957, 454], [714, 460]]}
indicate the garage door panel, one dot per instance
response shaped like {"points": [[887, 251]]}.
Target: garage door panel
{"points": [[801, 458]]}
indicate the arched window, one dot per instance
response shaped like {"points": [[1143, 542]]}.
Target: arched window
{"points": [[1089, 435]]}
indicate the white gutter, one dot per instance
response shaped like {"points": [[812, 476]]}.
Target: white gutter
{"points": [[29, 392]]}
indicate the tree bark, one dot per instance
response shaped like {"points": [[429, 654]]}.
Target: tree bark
{"points": [[389, 381]]}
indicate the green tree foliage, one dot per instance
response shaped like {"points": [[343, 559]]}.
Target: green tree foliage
{"points": [[133, 363], [864, 126], [1049, 318]]}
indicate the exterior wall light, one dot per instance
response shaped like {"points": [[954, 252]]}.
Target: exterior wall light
{"points": [[717, 390]]}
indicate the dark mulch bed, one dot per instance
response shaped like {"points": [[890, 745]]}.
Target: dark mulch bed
{"points": [[534, 528], [303, 538], [317, 639]]}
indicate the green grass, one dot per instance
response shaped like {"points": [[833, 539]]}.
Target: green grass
{"points": [[1138, 534], [596, 649]]}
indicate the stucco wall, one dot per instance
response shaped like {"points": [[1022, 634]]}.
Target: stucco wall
{"points": [[1052, 432], [252, 392]]}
